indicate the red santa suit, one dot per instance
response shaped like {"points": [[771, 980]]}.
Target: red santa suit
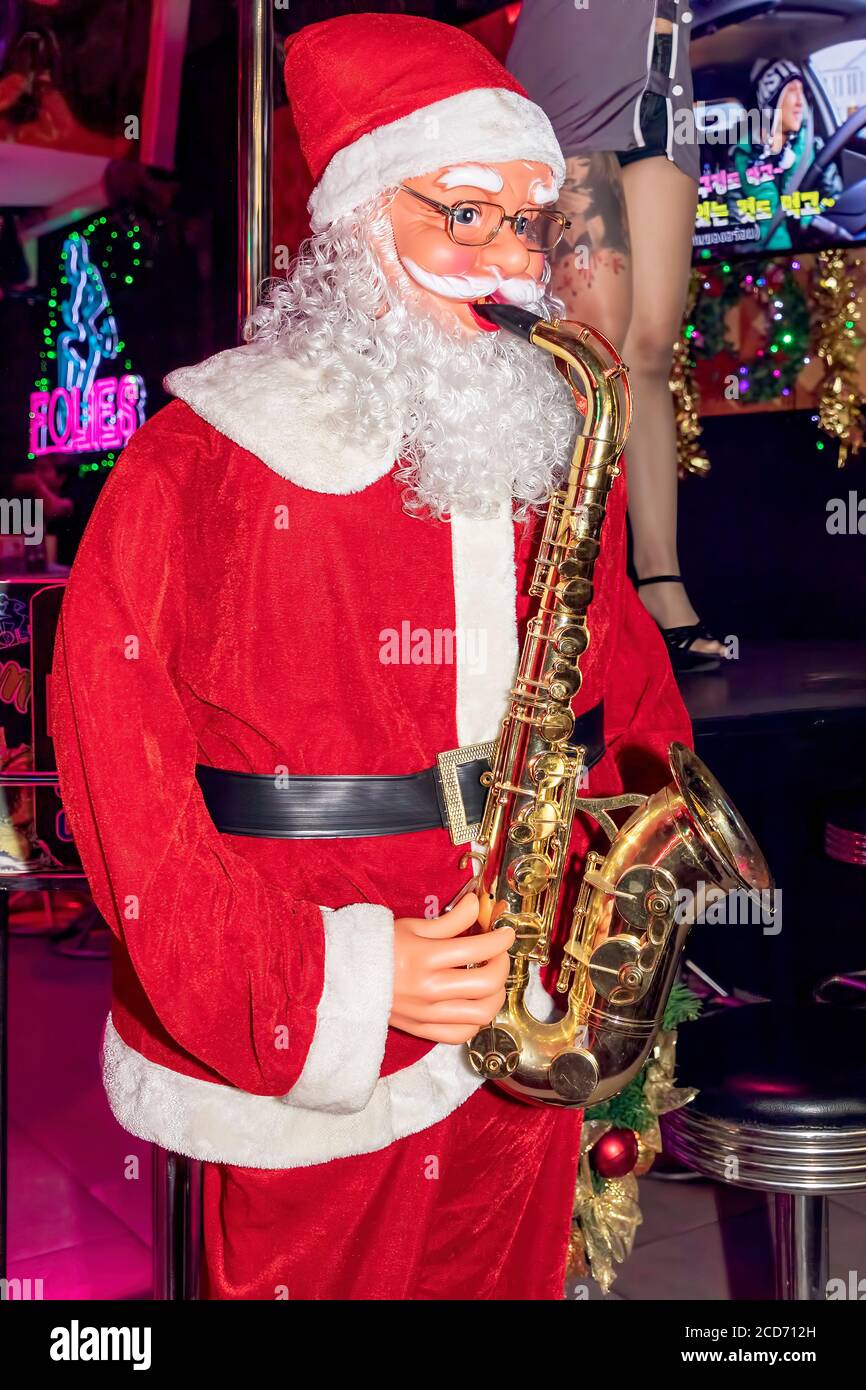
{"points": [[235, 601]]}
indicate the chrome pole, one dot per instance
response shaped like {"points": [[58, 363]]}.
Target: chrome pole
{"points": [[255, 115], [801, 1246], [177, 1227]]}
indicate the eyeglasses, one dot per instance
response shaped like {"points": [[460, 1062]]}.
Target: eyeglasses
{"points": [[476, 224]]}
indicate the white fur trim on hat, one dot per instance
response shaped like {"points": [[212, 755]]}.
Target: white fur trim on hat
{"points": [[487, 123]]}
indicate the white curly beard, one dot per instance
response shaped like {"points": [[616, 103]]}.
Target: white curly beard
{"points": [[482, 418]]}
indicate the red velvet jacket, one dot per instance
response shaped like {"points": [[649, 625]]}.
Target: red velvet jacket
{"points": [[238, 599]]}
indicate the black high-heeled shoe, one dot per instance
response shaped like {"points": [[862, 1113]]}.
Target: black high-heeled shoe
{"points": [[680, 639]]}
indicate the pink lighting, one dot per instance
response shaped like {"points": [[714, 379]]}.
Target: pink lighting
{"points": [[112, 410]]}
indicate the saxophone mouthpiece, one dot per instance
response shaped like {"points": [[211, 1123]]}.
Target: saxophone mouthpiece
{"points": [[518, 321]]}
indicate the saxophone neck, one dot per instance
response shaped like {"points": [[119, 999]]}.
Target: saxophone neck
{"points": [[598, 379], [591, 365]]}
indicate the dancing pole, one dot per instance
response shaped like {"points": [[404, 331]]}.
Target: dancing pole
{"points": [[255, 115]]}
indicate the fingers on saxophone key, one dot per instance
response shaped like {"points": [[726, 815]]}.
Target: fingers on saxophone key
{"points": [[452, 923], [476, 950], [465, 1013], [454, 1033], [476, 984]]}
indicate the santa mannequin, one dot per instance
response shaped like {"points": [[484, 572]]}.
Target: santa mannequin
{"points": [[263, 589]]}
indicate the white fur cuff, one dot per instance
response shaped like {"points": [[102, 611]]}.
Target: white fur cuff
{"points": [[345, 1057]]}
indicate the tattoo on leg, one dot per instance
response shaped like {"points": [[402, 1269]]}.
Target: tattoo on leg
{"points": [[592, 196]]}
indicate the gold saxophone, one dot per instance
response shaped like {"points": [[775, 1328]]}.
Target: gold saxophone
{"points": [[632, 914]]}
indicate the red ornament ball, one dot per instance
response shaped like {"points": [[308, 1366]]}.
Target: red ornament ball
{"points": [[616, 1153]]}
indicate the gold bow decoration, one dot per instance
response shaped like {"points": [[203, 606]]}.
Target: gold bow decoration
{"points": [[607, 1210]]}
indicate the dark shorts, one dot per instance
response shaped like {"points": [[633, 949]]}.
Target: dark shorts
{"points": [[654, 129], [653, 115]]}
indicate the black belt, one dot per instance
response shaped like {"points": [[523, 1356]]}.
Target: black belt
{"points": [[328, 808]]}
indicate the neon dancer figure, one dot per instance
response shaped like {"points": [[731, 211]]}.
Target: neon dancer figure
{"points": [[91, 330]]}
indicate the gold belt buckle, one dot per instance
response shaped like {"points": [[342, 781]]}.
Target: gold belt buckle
{"points": [[455, 811]]}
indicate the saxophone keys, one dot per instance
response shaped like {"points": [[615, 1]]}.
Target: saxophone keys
{"points": [[571, 568], [549, 767], [494, 1052], [574, 1075], [529, 939], [544, 819], [520, 832], [564, 683], [572, 641], [614, 969], [586, 549], [556, 725], [583, 551], [648, 958], [657, 931], [575, 594], [528, 875], [621, 998], [566, 973], [630, 979], [645, 896], [598, 880]]}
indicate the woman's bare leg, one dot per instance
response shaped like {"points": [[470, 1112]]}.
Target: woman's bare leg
{"points": [[660, 200], [591, 270]]}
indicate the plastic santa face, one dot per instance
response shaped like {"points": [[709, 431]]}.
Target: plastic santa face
{"points": [[453, 274]]}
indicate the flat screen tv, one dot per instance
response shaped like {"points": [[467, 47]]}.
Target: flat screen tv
{"points": [[780, 119]]}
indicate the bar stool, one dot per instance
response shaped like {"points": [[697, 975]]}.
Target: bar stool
{"points": [[781, 1108]]}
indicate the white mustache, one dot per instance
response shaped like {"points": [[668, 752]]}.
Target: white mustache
{"points": [[521, 290]]}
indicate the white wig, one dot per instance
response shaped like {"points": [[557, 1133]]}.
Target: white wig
{"points": [[482, 417]]}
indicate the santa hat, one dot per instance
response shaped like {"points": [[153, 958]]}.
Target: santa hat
{"points": [[378, 98]]}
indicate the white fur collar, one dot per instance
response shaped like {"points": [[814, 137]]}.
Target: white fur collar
{"points": [[269, 404]]}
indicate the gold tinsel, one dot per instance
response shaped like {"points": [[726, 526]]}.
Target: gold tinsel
{"points": [[836, 305], [607, 1216], [607, 1221], [660, 1093], [687, 396], [649, 1143], [578, 1267]]}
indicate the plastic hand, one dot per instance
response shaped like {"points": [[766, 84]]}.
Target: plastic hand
{"points": [[435, 996]]}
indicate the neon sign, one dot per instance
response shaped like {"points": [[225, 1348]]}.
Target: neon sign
{"points": [[85, 411]]}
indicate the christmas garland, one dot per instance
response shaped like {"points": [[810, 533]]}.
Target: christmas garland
{"points": [[774, 369], [826, 317], [619, 1142]]}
